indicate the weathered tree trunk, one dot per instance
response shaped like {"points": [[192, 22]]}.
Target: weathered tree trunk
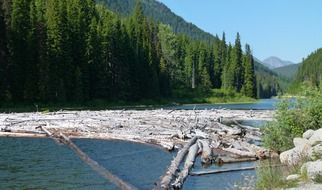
{"points": [[221, 171], [168, 177], [206, 154], [193, 151], [93, 164]]}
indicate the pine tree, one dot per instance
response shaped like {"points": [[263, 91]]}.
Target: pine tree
{"points": [[249, 86], [4, 93], [19, 48], [56, 26], [228, 70], [237, 65]]}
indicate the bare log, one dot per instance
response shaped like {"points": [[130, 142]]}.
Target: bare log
{"points": [[190, 160], [221, 171], [95, 166], [29, 135], [206, 155], [227, 160], [240, 152], [168, 177]]}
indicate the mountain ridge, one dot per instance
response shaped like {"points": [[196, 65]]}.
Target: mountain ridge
{"points": [[288, 71], [273, 62], [159, 12]]}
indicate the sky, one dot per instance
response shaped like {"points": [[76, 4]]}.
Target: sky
{"points": [[288, 29]]}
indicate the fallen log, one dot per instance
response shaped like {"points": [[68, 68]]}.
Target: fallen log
{"points": [[193, 152], [227, 160], [206, 155], [168, 177], [199, 173], [95, 166], [28, 135], [240, 152]]}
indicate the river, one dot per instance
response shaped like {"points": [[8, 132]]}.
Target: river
{"points": [[43, 164]]}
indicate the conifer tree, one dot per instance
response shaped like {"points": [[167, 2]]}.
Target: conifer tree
{"points": [[249, 86], [237, 64]]}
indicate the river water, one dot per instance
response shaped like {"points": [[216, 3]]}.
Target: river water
{"points": [[42, 164]]}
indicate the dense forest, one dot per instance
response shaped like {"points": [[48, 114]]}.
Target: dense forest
{"points": [[77, 50], [311, 69]]}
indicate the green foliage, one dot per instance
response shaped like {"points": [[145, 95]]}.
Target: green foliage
{"points": [[249, 86], [160, 13], [293, 119], [61, 51], [311, 68]]}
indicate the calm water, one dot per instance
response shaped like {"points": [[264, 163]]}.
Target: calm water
{"points": [[221, 181], [42, 164], [263, 104]]}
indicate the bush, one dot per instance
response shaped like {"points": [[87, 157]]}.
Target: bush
{"points": [[293, 119]]}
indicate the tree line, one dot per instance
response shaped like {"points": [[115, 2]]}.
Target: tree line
{"points": [[310, 70], [77, 50]]}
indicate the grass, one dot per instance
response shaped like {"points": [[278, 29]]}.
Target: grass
{"points": [[195, 96], [214, 96], [270, 176]]}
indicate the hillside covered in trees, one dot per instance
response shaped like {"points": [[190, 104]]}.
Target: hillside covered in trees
{"points": [[311, 69], [159, 13], [77, 50]]}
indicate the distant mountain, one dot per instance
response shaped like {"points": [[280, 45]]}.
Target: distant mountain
{"points": [[288, 71], [275, 62], [159, 13]]}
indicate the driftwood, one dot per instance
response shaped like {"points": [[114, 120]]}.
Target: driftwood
{"points": [[240, 152], [199, 173], [193, 151], [206, 153], [93, 164], [168, 177], [221, 171], [227, 160], [165, 128], [27, 135]]}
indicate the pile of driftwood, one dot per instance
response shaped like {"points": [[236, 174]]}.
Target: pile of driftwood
{"points": [[193, 132], [167, 128], [219, 149]]}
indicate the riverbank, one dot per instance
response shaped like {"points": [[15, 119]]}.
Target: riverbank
{"points": [[215, 96]]}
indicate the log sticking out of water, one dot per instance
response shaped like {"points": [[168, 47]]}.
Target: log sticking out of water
{"points": [[93, 164], [168, 177], [193, 151], [221, 171]]}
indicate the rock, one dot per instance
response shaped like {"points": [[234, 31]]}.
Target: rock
{"points": [[308, 134], [312, 169], [316, 137], [293, 177], [315, 152], [295, 155], [300, 142]]}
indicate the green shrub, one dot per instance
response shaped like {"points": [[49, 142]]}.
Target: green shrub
{"points": [[293, 119]]}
